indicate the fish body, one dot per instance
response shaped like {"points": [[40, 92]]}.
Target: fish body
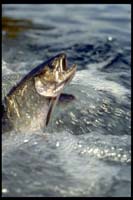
{"points": [[30, 103]]}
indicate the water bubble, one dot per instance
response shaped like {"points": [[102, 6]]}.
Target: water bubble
{"points": [[80, 145], [35, 143], [57, 122], [60, 121], [73, 122], [75, 147], [57, 144], [102, 152], [113, 154], [119, 155], [26, 140], [110, 38], [4, 190], [90, 151], [124, 156], [106, 150], [96, 151], [27, 115]]}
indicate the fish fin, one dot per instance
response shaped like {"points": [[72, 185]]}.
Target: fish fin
{"points": [[66, 98], [62, 98], [53, 102]]}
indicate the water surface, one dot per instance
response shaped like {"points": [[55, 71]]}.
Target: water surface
{"points": [[86, 150]]}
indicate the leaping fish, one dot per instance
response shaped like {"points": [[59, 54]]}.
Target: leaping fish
{"points": [[30, 104]]}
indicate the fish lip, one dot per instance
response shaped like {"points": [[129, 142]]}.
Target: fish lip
{"points": [[59, 62], [68, 73], [63, 61]]}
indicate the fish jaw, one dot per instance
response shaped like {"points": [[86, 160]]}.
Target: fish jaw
{"points": [[56, 75]]}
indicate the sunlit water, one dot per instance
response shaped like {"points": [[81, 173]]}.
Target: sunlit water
{"points": [[86, 149]]}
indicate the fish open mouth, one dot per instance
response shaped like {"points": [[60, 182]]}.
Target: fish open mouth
{"points": [[55, 76]]}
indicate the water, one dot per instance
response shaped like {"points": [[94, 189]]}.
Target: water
{"points": [[86, 150]]}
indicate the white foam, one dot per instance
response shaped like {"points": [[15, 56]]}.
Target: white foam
{"points": [[96, 79], [5, 68]]}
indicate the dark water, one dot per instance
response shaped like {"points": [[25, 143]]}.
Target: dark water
{"points": [[86, 150]]}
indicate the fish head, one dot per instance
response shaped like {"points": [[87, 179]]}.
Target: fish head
{"points": [[54, 76]]}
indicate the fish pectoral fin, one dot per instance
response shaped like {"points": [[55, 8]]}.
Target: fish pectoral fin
{"points": [[53, 102], [62, 98], [66, 98]]}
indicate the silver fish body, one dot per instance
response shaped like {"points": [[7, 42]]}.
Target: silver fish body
{"points": [[30, 103]]}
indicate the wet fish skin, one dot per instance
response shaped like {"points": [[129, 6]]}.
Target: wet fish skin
{"points": [[24, 109], [30, 103]]}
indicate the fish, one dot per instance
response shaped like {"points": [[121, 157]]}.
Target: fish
{"points": [[30, 103]]}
